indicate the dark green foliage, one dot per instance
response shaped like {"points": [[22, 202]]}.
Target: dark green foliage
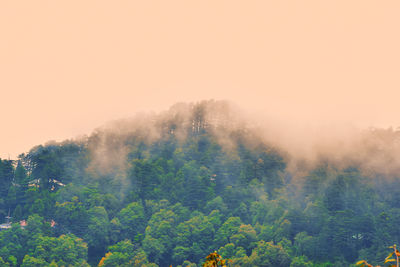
{"points": [[132, 220], [195, 188]]}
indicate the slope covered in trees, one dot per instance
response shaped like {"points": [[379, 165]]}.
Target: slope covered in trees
{"points": [[168, 189]]}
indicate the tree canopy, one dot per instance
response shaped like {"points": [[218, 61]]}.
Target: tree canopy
{"points": [[172, 189]]}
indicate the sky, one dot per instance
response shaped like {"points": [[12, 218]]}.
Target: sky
{"points": [[67, 67]]}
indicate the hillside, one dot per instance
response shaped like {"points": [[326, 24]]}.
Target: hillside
{"points": [[169, 188]]}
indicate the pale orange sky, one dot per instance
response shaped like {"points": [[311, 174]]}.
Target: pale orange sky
{"points": [[67, 67]]}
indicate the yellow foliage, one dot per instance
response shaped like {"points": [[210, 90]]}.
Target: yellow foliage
{"points": [[101, 263], [214, 260]]}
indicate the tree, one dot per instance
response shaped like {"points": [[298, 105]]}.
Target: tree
{"points": [[119, 254], [245, 237], [33, 262], [6, 176], [64, 250], [97, 232], [159, 232], [72, 216], [21, 177], [214, 260], [194, 236], [393, 257], [227, 230], [268, 254], [132, 220], [301, 262], [145, 175]]}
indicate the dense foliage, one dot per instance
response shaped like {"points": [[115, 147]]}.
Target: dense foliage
{"points": [[129, 198]]}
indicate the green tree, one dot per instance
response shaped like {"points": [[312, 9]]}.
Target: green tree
{"points": [[301, 262], [72, 216], [194, 235], [33, 262], [145, 176], [268, 254], [132, 220], [97, 232], [159, 232], [227, 230]]}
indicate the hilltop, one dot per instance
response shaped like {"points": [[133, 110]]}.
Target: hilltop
{"points": [[169, 188]]}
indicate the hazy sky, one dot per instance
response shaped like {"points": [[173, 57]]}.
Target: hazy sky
{"points": [[67, 67]]}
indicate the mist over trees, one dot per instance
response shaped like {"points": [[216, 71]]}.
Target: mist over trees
{"points": [[170, 188]]}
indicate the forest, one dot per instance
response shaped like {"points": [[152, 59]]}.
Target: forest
{"points": [[168, 189]]}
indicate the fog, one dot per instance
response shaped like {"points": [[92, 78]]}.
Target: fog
{"points": [[375, 151], [68, 67]]}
